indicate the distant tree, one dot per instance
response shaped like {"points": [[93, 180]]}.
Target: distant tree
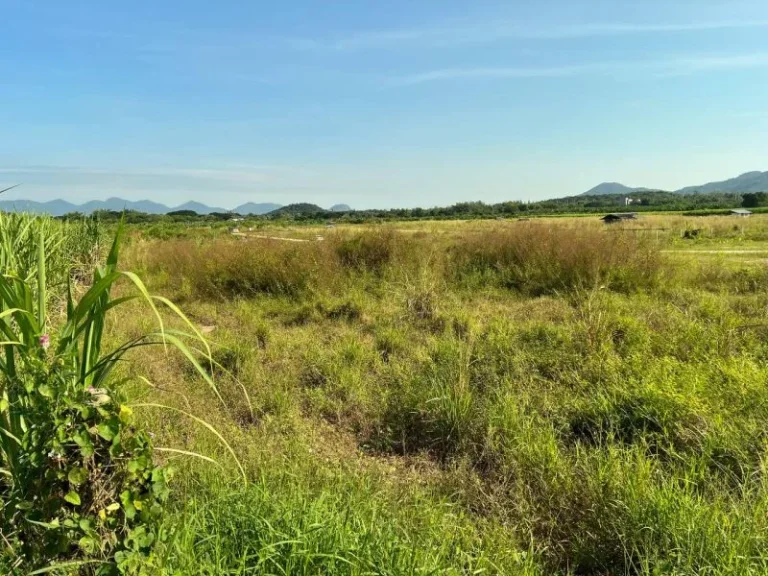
{"points": [[183, 213], [222, 215], [754, 199], [749, 200], [508, 207]]}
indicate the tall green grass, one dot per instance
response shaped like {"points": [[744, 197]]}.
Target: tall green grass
{"points": [[298, 519], [609, 434]]}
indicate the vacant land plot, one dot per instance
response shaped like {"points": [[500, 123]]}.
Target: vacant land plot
{"points": [[514, 397], [546, 397]]}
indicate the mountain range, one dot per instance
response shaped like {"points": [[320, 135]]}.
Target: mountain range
{"points": [[747, 182], [61, 207]]}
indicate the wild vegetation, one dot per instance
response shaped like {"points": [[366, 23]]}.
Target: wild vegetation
{"points": [[79, 488], [546, 397]]}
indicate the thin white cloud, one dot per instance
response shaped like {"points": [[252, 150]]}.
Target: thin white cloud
{"points": [[667, 67], [214, 43], [725, 62], [504, 72], [499, 31], [625, 28], [222, 175]]}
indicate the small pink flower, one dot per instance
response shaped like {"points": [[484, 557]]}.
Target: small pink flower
{"points": [[45, 341]]}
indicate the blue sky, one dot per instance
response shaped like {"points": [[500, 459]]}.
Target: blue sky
{"points": [[377, 104]]}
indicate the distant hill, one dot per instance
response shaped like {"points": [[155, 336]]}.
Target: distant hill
{"points": [[612, 188], [61, 207], [195, 207], [341, 208], [258, 209], [301, 209], [117, 205], [54, 207], [748, 182]]}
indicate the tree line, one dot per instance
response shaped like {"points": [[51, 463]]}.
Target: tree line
{"points": [[652, 201]]}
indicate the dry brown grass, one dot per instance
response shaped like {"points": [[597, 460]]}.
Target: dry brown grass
{"points": [[235, 268], [532, 257], [371, 251], [540, 258]]}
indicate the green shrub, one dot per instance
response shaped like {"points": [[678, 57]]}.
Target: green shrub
{"points": [[77, 481]]}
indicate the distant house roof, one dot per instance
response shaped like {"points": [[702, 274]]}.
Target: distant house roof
{"points": [[619, 216], [741, 212]]}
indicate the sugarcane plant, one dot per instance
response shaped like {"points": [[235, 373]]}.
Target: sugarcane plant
{"points": [[78, 484]]}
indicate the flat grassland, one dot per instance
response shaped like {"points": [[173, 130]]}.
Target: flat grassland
{"points": [[553, 396]]}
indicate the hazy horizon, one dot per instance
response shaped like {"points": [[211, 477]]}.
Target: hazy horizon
{"points": [[16, 194], [378, 105]]}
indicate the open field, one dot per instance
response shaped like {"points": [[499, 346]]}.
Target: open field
{"points": [[553, 396]]}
